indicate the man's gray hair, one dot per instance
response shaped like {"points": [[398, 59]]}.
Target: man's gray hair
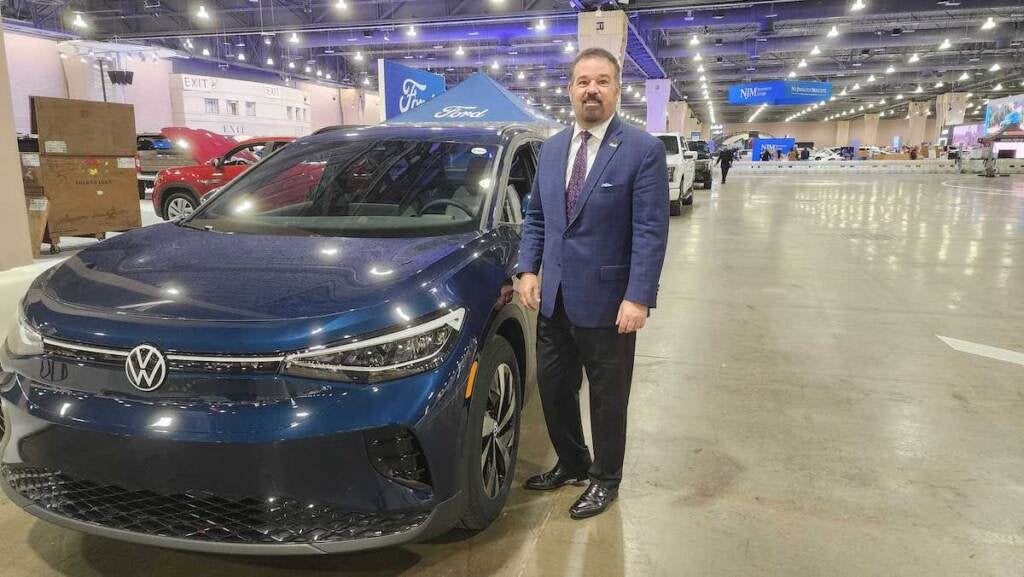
{"points": [[597, 53]]}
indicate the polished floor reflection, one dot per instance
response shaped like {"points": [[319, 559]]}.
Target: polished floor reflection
{"points": [[794, 411]]}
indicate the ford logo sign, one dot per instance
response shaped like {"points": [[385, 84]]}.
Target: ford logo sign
{"points": [[461, 112], [410, 92]]}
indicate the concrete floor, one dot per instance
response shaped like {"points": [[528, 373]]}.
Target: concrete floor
{"points": [[793, 413]]}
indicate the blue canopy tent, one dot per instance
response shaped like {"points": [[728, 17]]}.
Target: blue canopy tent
{"points": [[477, 99]]}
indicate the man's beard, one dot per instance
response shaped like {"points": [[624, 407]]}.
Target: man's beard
{"points": [[591, 114]]}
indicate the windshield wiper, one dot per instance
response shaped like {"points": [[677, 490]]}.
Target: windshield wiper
{"points": [[187, 224]]}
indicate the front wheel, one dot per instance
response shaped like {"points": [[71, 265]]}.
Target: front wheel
{"points": [[179, 205], [491, 441]]}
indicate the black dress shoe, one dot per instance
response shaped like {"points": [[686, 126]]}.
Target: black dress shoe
{"points": [[555, 478], [594, 501]]}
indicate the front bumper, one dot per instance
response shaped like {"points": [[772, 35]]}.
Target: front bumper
{"points": [[233, 477]]}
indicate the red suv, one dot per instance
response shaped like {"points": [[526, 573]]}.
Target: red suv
{"points": [[177, 191]]}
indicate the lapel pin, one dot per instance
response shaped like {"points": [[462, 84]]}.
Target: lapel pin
{"points": [[614, 144]]}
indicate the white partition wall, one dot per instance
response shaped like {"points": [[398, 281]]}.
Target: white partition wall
{"points": [[239, 107]]}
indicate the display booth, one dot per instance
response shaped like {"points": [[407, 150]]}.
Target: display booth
{"points": [[477, 99]]}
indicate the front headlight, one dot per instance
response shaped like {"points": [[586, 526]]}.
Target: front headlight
{"points": [[22, 339], [392, 355]]}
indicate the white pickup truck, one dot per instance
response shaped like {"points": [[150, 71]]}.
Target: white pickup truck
{"points": [[681, 167]]}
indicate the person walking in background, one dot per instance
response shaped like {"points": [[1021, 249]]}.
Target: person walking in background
{"points": [[725, 160], [597, 221], [766, 155]]}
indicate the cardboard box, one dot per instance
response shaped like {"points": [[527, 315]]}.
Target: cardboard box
{"points": [[83, 128], [90, 195]]}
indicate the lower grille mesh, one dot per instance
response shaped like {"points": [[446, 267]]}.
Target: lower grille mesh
{"points": [[202, 516]]}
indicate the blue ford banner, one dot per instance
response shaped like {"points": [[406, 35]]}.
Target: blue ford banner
{"points": [[773, 146], [477, 99], [404, 88], [780, 92]]}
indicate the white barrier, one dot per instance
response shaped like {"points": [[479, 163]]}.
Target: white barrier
{"points": [[921, 166]]}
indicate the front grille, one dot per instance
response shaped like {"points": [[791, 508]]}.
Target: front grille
{"points": [[55, 350], [396, 454], [202, 516], [185, 363]]}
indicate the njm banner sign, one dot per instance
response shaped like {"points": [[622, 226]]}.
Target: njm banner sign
{"points": [[780, 92], [403, 88]]}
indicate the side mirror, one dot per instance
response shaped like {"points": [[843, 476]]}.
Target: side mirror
{"points": [[217, 162], [690, 155]]}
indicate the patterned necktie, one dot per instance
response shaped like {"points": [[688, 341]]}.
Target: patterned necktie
{"points": [[579, 175]]}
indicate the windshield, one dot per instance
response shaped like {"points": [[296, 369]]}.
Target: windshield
{"points": [[698, 146], [671, 143], [365, 188]]}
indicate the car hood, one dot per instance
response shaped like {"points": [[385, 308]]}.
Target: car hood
{"points": [[170, 272]]}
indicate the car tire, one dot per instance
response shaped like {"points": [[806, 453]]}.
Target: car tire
{"points": [[497, 396], [675, 207], [688, 201], [176, 202]]}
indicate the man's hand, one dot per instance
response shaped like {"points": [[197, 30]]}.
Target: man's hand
{"points": [[632, 317], [529, 291]]}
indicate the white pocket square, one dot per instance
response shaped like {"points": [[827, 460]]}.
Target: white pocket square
{"points": [[606, 185]]}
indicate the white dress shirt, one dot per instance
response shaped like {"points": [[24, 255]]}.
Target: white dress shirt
{"points": [[596, 136]]}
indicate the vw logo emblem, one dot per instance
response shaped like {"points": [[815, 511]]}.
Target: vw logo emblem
{"points": [[146, 368]]}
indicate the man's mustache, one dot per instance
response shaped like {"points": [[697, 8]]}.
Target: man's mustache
{"points": [[596, 99]]}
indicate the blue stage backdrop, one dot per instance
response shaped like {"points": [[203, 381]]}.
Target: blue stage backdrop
{"points": [[404, 88], [780, 92], [773, 145]]}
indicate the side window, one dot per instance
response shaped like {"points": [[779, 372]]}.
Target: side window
{"points": [[249, 155], [520, 181]]}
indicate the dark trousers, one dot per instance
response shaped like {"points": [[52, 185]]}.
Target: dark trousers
{"points": [[725, 171], [563, 351]]}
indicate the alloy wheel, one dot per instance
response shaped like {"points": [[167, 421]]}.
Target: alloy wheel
{"points": [[179, 208], [498, 431]]}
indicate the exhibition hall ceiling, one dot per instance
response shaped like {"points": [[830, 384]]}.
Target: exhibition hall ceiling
{"points": [[882, 54]]}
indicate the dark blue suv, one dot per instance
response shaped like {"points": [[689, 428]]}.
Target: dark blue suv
{"points": [[325, 357]]}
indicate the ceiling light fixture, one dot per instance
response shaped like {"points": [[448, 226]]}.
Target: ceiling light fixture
{"points": [[802, 64], [914, 58], [202, 13], [541, 25], [945, 44], [569, 47], [460, 51], [964, 77], [291, 65], [694, 41], [697, 57], [270, 61], [995, 67], [411, 31], [989, 24], [206, 51], [918, 90], [890, 69], [998, 87], [815, 51], [241, 56], [833, 32], [792, 74], [871, 78], [858, 6], [79, 22], [940, 84], [294, 38]]}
